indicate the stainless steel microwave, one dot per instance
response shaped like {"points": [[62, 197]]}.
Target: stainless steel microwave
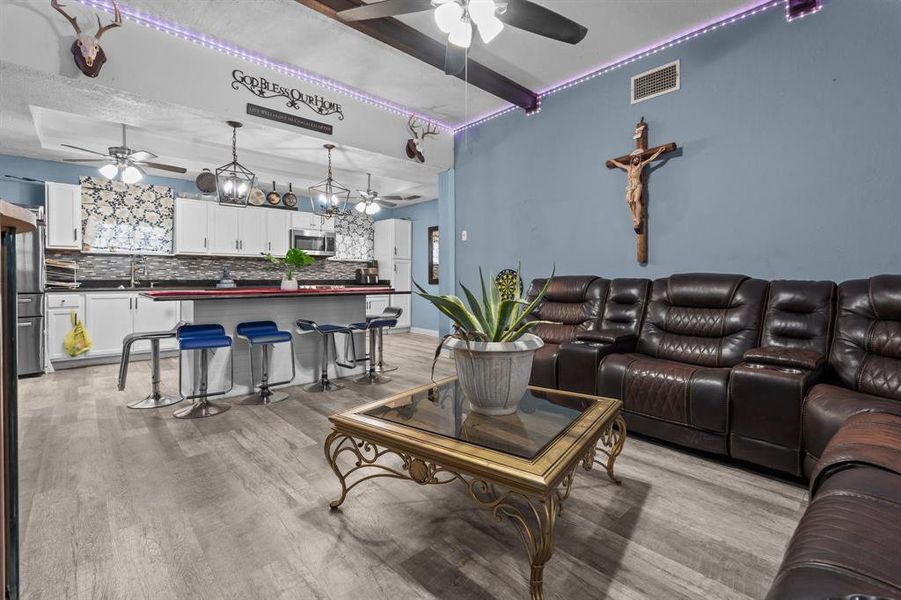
{"points": [[313, 241]]}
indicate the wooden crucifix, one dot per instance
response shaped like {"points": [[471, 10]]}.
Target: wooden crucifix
{"points": [[634, 165]]}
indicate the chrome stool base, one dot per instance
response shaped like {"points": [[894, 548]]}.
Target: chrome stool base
{"points": [[382, 368], [261, 399], [372, 377], [155, 400], [198, 410], [323, 386]]}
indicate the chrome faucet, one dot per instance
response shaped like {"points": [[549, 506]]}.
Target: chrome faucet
{"points": [[134, 268]]}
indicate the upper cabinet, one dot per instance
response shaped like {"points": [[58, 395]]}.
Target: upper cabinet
{"points": [[63, 214], [307, 220], [203, 227], [393, 240]]}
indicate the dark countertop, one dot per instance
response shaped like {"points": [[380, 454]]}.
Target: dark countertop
{"points": [[117, 285], [249, 293]]}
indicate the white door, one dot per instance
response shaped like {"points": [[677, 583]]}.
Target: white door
{"points": [[109, 318], [150, 315], [191, 222], [403, 243], [278, 226], [383, 251], [252, 231], [59, 323], [402, 301], [63, 214], [376, 305], [401, 275], [223, 229]]}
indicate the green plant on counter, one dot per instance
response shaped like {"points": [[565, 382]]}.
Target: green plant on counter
{"points": [[491, 320], [292, 262]]}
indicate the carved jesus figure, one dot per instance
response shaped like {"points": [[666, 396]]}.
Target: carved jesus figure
{"points": [[635, 185]]}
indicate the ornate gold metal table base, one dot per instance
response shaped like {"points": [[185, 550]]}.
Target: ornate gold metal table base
{"points": [[533, 516]]}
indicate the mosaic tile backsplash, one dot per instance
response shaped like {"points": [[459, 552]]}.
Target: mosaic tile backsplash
{"points": [[197, 268]]}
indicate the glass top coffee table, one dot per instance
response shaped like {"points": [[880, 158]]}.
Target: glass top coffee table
{"points": [[519, 466]]}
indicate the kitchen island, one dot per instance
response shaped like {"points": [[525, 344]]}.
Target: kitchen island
{"points": [[230, 306]]}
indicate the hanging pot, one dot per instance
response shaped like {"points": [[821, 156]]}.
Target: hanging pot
{"points": [[273, 197], [206, 182], [289, 199], [257, 197]]}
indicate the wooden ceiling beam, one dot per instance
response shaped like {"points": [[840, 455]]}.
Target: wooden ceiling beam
{"points": [[420, 46]]}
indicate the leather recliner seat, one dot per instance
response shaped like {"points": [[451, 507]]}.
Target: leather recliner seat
{"points": [[675, 386], [866, 358], [573, 303], [768, 387]]}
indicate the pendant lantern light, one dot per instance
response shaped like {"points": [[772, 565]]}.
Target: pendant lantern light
{"points": [[234, 181], [328, 197]]}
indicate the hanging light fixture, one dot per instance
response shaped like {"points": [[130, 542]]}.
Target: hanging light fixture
{"points": [[234, 181], [328, 197]]}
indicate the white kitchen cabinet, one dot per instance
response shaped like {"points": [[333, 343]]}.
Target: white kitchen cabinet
{"points": [[223, 228], [154, 316], [252, 231], [402, 301], [59, 321], [305, 220], [393, 240], [278, 225], [109, 318], [63, 213], [191, 226], [376, 305], [327, 224], [401, 275]]}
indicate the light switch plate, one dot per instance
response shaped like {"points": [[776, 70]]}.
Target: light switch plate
{"points": [[464, 235]]}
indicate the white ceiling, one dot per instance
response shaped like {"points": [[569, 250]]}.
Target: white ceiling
{"points": [[39, 111], [307, 39]]}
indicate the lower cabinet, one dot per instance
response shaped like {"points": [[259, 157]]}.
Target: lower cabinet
{"points": [[107, 317], [376, 305]]}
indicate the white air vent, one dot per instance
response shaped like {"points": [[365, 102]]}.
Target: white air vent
{"points": [[656, 82]]}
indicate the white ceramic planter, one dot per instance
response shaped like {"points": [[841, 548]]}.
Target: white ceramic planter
{"points": [[289, 285], [494, 375]]}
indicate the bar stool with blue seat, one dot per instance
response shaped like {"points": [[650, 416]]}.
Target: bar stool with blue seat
{"points": [[389, 312], [374, 326], [265, 334], [327, 332], [203, 339]]}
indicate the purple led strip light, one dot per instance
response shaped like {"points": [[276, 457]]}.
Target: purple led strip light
{"points": [[263, 61], [754, 9]]}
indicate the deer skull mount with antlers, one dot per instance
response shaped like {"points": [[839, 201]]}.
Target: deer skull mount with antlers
{"points": [[89, 56], [419, 131]]}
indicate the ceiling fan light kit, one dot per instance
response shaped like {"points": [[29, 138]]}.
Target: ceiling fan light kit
{"points": [[233, 180], [456, 20]]}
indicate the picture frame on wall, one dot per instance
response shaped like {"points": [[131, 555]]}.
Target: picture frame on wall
{"points": [[434, 246]]}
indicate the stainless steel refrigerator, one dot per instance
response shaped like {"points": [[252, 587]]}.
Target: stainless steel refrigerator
{"points": [[30, 298]]}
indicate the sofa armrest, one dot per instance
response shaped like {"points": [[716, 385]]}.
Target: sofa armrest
{"points": [[791, 358], [607, 336]]}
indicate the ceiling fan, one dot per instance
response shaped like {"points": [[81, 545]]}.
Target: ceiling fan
{"points": [[122, 160], [457, 18], [402, 198], [371, 203]]}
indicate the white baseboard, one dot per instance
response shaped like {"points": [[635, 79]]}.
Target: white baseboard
{"points": [[432, 332]]}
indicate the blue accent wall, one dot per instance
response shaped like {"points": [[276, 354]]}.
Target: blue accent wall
{"points": [[789, 167], [31, 194], [423, 215]]}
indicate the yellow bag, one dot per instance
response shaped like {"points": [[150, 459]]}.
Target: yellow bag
{"points": [[77, 341]]}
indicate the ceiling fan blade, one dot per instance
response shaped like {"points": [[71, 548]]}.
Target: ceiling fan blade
{"points": [[87, 160], [384, 204], [402, 198], [385, 8], [141, 155], [161, 167], [454, 59], [529, 16], [83, 149]]}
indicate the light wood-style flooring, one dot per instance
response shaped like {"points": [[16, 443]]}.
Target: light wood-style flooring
{"points": [[120, 503]]}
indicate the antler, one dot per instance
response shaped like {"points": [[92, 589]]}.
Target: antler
{"points": [[117, 21], [413, 124], [430, 129], [59, 7]]}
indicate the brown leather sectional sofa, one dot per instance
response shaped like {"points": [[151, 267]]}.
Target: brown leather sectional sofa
{"points": [[802, 377]]}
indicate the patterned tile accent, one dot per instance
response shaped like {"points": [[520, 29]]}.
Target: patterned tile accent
{"points": [[354, 236], [120, 217], [197, 268]]}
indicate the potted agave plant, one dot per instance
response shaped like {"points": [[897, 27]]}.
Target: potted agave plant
{"points": [[294, 260], [492, 346]]}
